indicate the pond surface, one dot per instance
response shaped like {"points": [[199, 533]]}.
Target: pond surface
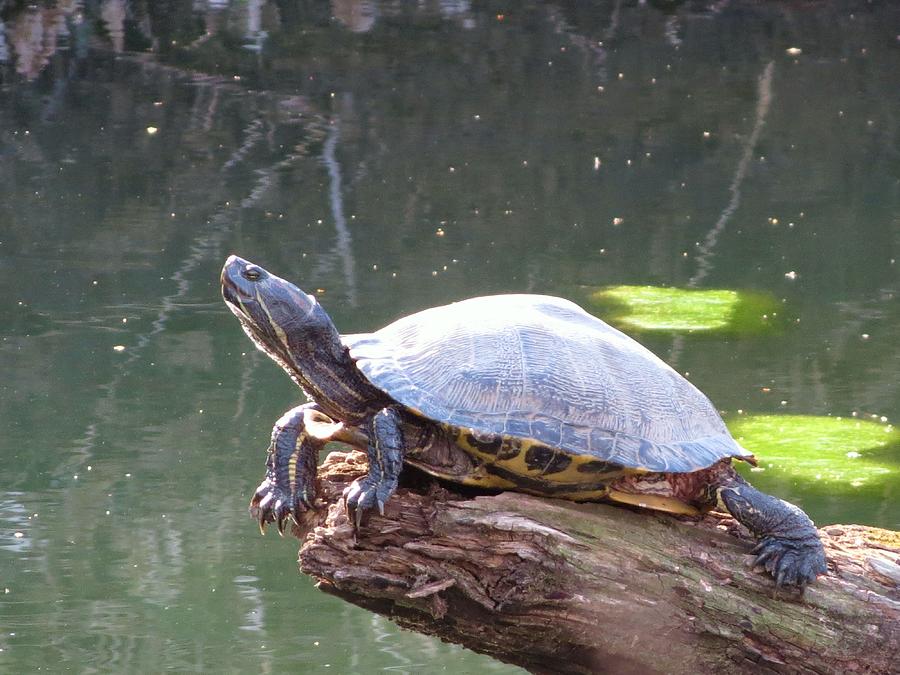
{"points": [[392, 156]]}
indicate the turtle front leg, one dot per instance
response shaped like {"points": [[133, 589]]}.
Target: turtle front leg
{"points": [[290, 483], [789, 547], [385, 451]]}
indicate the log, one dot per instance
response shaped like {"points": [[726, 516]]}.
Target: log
{"points": [[559, 587]]}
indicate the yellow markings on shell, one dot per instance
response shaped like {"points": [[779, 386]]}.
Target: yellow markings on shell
{"points": [[656, 502], [593, 481], [478, 477], [516, 464]]}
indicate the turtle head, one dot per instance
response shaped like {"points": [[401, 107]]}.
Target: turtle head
{"points": [[283, 321], [293, 329], [259, 297]]}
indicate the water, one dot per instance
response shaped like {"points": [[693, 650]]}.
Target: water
{"points": [[390, 157]]}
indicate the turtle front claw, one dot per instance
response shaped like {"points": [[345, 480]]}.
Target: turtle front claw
{"points": [[271, 504], [358, 498], [790, 562], [365, 494]]}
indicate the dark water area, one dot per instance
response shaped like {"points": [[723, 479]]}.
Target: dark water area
{"points": [[389, 157]]}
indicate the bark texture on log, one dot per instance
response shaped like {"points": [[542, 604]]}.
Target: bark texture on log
{"points": [[559, 587]]}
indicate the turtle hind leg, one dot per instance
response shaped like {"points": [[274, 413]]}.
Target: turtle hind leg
{"points": [[789, 547], [385, 452]]}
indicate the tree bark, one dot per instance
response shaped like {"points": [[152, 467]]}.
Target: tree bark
{"points": [[559, 587]]}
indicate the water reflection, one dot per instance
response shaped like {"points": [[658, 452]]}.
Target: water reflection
{"points": [[357, 15], [113, 13], [36, 34], [344, 243], [16, 519], [705, 250], [4, 47]]}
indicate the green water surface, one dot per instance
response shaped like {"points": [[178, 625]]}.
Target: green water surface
{"points": [[390, 157]]}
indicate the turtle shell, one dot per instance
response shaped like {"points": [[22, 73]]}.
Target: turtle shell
{"points": [[540, 367]]}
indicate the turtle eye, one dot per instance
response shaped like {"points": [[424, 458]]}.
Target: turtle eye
{"points": [[251, 273]]}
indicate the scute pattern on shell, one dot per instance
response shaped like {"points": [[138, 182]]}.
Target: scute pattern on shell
{"points": [[540, 367]]}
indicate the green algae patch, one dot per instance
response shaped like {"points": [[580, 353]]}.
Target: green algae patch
{"points": [[686, 310], [851, 452]]}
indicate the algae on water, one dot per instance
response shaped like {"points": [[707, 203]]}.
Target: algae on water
{"points": [[851, 451], [683, 310]]}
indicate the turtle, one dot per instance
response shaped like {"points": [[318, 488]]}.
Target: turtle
{"points": [[520, 392]]}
